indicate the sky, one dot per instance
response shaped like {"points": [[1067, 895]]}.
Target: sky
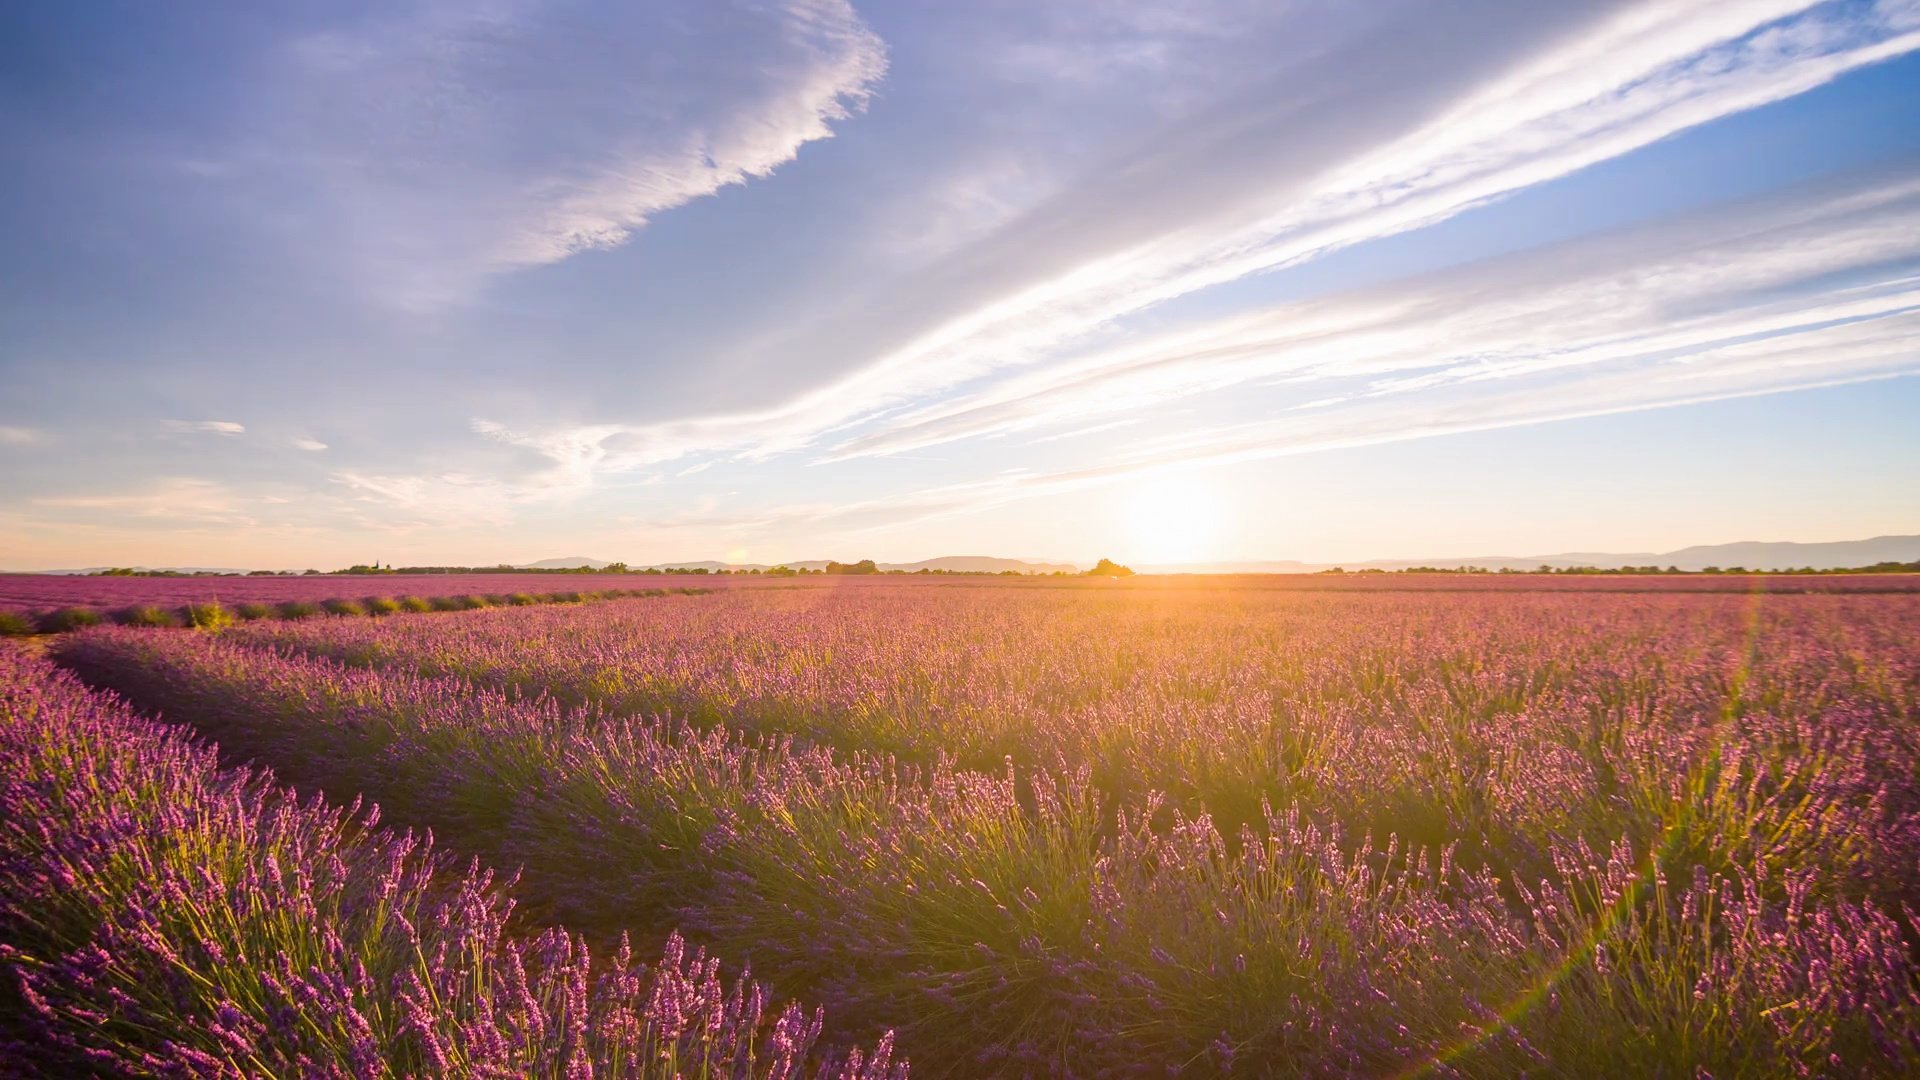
{"points": [[312, 284]]}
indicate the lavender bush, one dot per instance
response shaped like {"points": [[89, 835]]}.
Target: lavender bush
{"points": [[162, 916]]}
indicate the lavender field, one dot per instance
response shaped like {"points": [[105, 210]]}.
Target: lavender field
{"points": [[33, 597], [32, 593], [1397, 826]]}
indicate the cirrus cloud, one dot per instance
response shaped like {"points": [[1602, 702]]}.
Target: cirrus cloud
{"points": [[433, 144], [1316, 158], [206, 427]]}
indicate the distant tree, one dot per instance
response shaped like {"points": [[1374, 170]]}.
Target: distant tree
{"points": [[615, 568], [1109, 568], [864, 566]]}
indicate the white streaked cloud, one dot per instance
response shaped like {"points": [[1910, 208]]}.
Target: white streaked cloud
{"points": [[430, 500], [206, 427], [305, 442], [434, 143], [1809, 288], [1784, 266], [1855, 352], [189, 501], [18, 436], [1269, 181]]}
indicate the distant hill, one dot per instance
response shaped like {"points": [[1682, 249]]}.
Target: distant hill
{"points": [[957, 564], [1779, 556], [142, 569], [1749, 554], [982, 564], [570, 562]]}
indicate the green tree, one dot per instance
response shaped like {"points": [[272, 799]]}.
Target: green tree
{"points": [[864, 566]]}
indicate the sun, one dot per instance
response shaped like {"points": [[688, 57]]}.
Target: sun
{"points": [[1169, 519]]}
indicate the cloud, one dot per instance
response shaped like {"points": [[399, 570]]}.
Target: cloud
{"points": [[1812, 287], [432, 144], [18, 436], [306, 443], [1487, 99], [1787, 265], [1630, 79], [185, 501], [1865, 353], [206, 427], [449, 498]]}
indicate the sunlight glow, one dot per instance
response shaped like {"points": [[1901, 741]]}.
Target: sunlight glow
{"points": [[1172, 518]]}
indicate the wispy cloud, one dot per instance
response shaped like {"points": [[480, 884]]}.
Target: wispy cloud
{"points": [[1808, 288], [1322, 157], [303, 442], [1672, 293], [440, 499], [206, 427], [172, 500], [436, 143], [18, 436]]}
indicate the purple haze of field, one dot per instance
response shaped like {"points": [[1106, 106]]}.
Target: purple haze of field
{"points": [[40, 592], [37, 592], [164, 917], [1630, 833]]}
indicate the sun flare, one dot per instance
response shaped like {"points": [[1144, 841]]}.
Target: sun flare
{"points": [[1170, 519]]}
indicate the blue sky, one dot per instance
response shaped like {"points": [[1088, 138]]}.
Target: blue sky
{"points": [[1167, 281]]}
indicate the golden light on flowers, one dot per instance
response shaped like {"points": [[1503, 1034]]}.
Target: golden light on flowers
{"points": [[1469, 825]]}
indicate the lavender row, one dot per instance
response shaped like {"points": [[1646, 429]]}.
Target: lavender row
{"points": [[162, 916], [42, 592], [213, 615], [1023, 921], [1502, 724]]}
